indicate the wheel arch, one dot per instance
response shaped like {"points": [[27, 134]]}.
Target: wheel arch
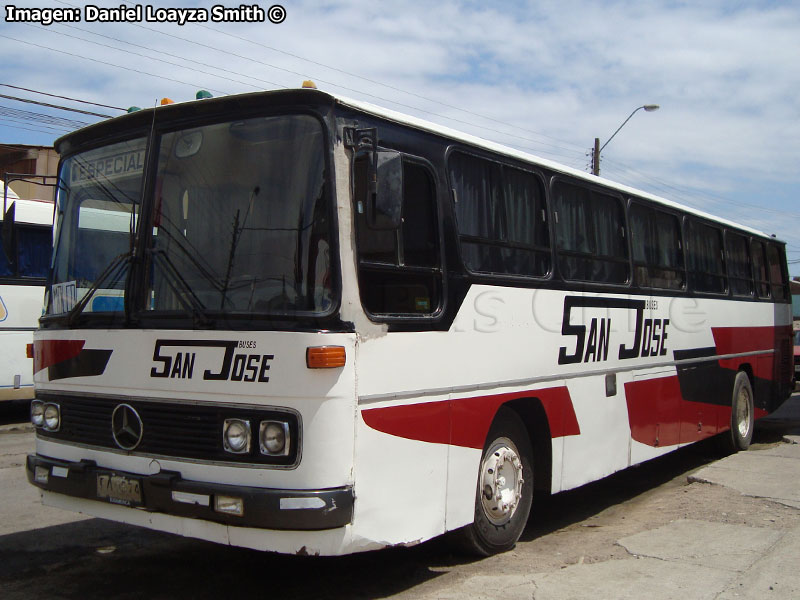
{"points": [[533, 416]]}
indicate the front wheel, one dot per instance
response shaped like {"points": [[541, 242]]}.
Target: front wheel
{"points": [[505, 488], [742, 415]]}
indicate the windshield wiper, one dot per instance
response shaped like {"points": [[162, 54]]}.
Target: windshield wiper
{"points": [[112, 268], [182, 290]]}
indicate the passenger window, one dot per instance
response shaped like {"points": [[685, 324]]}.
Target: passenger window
{"points": [[399, 270], [737, 254], [776, 274], [760, 269], [590, 235], [501, 217], [704, 258], [657, 251]]}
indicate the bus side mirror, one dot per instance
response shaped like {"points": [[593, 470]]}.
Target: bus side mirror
{"points": [[10, 234], [385, 203]]}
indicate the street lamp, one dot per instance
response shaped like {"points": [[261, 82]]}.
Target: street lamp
{"points": [[598, 148]]}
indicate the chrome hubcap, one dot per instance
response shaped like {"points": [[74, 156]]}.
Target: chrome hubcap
{"points": [[501, 481], [743, 412]]}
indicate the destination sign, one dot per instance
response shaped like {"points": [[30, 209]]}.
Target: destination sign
{"points": [[95, 166]]}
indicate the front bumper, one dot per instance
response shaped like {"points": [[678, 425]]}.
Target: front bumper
{"points": [[167, 492]]}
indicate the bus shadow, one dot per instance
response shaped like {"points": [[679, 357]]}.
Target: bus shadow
{"points": [[100, 559]]}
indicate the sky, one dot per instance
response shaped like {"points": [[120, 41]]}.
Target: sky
{"points": [[546, 77]]}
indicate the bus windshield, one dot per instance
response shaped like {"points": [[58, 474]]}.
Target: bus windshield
{"points": [[238, 223]]}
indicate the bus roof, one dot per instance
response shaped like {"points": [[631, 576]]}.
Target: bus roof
{"points": [[36, 212], [225, 104], [455, 134]]}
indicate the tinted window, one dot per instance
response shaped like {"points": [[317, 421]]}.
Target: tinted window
{"points": [[399, 270], [704, 258], [32, 256], [760, 269], [590, 235], [739, 271], [776, 277], [501, 217], [657, 253]]}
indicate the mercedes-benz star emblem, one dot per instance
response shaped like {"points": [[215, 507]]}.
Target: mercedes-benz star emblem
{"points": [[126, 427]]}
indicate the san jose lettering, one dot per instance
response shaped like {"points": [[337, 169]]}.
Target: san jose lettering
{"points": [[649, 336], [178, 362]]}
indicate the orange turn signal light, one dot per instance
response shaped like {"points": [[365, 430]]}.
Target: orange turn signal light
{"points": [[29, 350], [325, 357]]}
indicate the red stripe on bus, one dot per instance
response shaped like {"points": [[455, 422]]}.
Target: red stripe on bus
{"points": [[50, 352], [659, 416], [735, 340], [465, 421]]}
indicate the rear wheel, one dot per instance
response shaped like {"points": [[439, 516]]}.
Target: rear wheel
{"points": [[505, 488], [742, 415]]}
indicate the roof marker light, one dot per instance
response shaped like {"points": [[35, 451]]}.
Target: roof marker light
{"points": [[203, 94], [133, 109], [165, 101], [310, 85]]}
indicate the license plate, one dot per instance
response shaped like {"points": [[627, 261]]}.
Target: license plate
{"points": [[119, 489]]}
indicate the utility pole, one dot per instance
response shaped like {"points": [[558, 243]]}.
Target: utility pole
{"points": [[598, 149]]}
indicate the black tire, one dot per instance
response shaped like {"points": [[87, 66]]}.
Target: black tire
{"points": [[740, 434], [498, 530]]}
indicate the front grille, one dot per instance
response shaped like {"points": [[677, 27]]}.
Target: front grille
{"points": [[187, 431]]}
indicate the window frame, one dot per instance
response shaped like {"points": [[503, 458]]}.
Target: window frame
{"points": [[617, 197], [678, 217], [545, 207], [15, 278], [438, 312], [728, 234], [689, 221]]}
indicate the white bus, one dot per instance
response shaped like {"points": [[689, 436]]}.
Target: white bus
{"points": [[299, 323], [24, 262]]}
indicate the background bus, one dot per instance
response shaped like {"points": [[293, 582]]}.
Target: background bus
{"points": [[22, 279], [295, 322]]}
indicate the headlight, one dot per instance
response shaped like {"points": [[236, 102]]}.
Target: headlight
{"points": [[52, 417], [273, 437], [37, 413], [236, 436]]}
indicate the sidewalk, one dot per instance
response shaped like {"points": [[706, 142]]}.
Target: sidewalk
{"points": [[689, 559]]}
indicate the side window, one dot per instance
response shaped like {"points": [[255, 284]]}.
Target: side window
{"points": [[704, 258], [399, 271], [501, 217], [33, 251], [657, 251], [5, 264], [760, 269], [590, 235], [737, 255], [776, 272], [34, 247]]}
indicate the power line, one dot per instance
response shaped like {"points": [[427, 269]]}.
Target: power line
{"points": [[138, 54], [340, 86], [41, 117], [57, 106], [194, 85], [172, 55], [7, 124], [710, 197], [61, 97]]}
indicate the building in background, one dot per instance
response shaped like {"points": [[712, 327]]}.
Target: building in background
{"points": [[38, 164]]}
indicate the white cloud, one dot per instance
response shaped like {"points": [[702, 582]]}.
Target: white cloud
{"points": [[725, 76]]}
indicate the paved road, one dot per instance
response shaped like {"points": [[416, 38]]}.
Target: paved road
{"points": [[686, 526]]}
